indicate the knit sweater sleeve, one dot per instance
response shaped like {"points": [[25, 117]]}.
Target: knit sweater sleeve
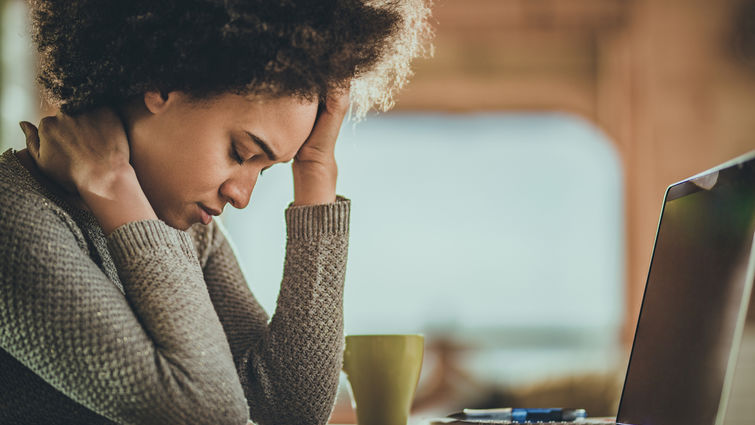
{"points": [[289, 366], [155, 355]]}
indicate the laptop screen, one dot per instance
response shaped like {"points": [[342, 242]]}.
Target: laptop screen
{"points": [[692, 300]]}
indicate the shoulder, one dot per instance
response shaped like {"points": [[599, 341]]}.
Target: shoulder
{"points": [[28, 219]]}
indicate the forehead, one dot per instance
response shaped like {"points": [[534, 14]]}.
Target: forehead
{"points": [[283, 122]]}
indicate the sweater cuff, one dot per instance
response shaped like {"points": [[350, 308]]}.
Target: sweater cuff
{"points": [[136, 237], [307, 221]]}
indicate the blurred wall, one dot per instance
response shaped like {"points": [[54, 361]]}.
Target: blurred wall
{"points": [[671, 82]]}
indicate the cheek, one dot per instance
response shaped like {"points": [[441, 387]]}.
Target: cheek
{"points": [[201, 168], [184, 161]]}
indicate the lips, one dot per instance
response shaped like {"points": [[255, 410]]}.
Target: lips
{"points": [[211, 211], [206, 214]]}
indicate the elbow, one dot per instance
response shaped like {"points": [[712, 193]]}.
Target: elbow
{"points": [[226, 412], [236, 414], [206, 396], [197, 408], [219, 404], [307, 406]]}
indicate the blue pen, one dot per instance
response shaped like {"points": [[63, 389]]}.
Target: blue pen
{"points": [[521, 415]]}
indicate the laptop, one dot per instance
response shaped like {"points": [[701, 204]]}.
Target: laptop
{"points": [[696, 300], [693, 356]]}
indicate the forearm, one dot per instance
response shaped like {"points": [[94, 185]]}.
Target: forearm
{"points": [[292, 374], [191, 364]]}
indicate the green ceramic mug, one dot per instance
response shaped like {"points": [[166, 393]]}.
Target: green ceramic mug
{"points": [[383, 371]]}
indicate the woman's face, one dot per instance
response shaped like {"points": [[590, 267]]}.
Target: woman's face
{"points": [[188, 155]]}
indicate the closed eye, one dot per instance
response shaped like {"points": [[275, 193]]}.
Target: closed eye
{"points": [[236, 157], [239, 160]]}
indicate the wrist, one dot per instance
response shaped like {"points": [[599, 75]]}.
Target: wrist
{"points": [[314, 198], [315, 184], [104, 182], [116, 199]]}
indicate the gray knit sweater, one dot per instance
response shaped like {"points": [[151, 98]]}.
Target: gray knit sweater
{"points": [[153, 325]]}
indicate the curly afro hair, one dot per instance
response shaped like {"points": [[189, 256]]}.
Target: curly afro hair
{"points": [[105, 52]]}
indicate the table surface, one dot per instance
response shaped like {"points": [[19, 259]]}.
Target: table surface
{"points": [[592, 421]]}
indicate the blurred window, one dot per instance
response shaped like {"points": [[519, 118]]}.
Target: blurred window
{"points": [[17, 92], [503, 231]]}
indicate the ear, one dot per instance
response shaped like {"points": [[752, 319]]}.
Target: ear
{"points": [[156, 102]]}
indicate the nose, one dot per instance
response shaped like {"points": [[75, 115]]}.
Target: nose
{"points": [[238, 189]]}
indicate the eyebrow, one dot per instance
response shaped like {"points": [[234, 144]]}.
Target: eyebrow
{"points": [[263, 145]]}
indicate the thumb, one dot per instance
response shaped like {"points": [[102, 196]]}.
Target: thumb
{"points": [[32, 138]]}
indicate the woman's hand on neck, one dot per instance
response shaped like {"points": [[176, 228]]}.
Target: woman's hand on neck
{"points": [[87, 156]]}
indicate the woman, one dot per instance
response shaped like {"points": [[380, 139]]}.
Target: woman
{"points": [[121, 300]]}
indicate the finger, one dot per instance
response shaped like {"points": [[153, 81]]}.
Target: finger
{"points": [[32, 138], [337, 102], [328, 124]]}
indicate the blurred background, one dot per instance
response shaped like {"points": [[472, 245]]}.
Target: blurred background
{"points": [[507, 207]]}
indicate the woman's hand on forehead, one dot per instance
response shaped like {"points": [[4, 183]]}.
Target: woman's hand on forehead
{"points": [[314, 168]]}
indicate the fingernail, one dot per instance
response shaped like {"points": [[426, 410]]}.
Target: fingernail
{"points": [[24, 127]]}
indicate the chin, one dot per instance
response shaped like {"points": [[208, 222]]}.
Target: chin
{"points": [[183, 227], [175, 222]]}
